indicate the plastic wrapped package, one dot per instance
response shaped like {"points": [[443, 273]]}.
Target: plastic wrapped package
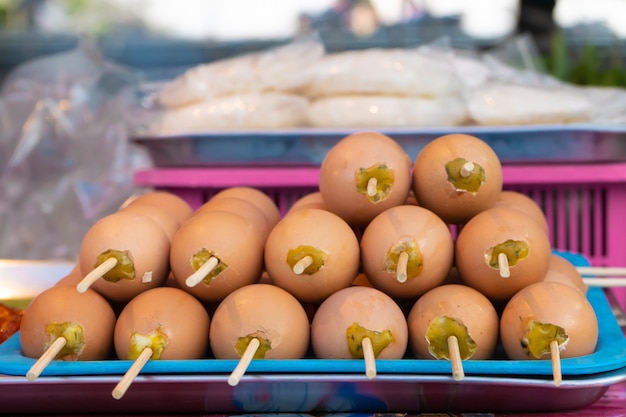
{"points": [[237, 111], [280, 69], [66, 158]]}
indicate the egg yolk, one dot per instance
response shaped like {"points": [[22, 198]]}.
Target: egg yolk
{"points": [[375, 182], [243, 342], [438, 332], [415, 263], [465, 176], [200, 258], [514, 250], [74, 338], [156, 340], [538, 336], [356, 333], [315, 261], [124, 269]]}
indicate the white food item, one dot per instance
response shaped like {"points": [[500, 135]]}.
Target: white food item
{"points": [[240, 111], [394, 71], [387, 111], [509, 104], [281, 69]]}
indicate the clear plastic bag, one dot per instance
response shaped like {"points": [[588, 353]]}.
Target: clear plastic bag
{"points": [[65, 158]]}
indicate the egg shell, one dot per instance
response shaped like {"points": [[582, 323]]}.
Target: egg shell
{"points": [[262, 310], [175, 312], [60, 304], [341, 164], [555, 303], [524, 203], [245, 209], [490, 228], [147, 246], [231, 238], [256, 197], [397, 224], [71, 278], [562, 270], [459, 302], [170, 202], [370, 308], [430, 179], [324, 231], [168, 222], [311, 200]]}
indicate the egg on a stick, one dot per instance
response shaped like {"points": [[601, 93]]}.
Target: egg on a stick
{"points": [[406, 250], [258, 321], [171, 203], [453, 322], [548, 320], [215, 252], [525, 204], [311, 200], [63, 324], [312, 253], [122, 255], [364, 174], [562, 270], [242, 207], [457, 176], [500, 251], [162, 323], [256, 197], [359, 322]]}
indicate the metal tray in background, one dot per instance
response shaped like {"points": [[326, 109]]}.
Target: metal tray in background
{"points": [[513, 144]]}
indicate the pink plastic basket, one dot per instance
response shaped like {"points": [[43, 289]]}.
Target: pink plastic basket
{"points": [[585, 204]]}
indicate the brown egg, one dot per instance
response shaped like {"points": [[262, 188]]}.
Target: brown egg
{"points": [[243, 208], [265, 312], [168, 320], [168, 223], [364, 174], [406, 251], [311, 200], [498, 241], [258, 198], [563, 271], [348, 316], [457, 176], [170, 202], [453, 310], [312, 253], [72, 278], [545, 312], [523, 203], [227, 242], [140, 247], [86, 320]]}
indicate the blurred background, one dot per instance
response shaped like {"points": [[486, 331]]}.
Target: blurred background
{"points": [[579, 41]]}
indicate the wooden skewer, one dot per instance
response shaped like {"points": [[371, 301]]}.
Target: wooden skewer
{"points": [[96, 274], [130, 375], [244, 362], [455, 358], [302, 264], [197, 277], [369, 357], [372, 186], [605, 282], [556, 362], [401, 268], [503, 264], [466, 169], [601, 271], [45, 359]]}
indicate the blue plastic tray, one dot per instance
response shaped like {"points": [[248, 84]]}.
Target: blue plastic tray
{"points": [[610, 355]]}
